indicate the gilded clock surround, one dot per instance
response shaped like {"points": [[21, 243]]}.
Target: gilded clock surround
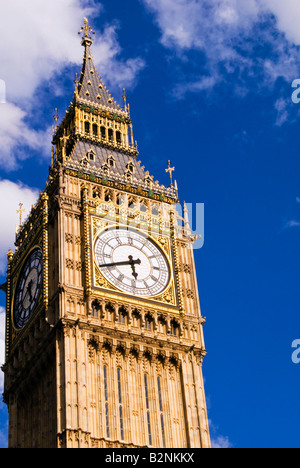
{"points": [[89, 353], [167, 296]]}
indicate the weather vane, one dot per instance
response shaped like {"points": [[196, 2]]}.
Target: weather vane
{"points": [[170, 170], [21, 211]]}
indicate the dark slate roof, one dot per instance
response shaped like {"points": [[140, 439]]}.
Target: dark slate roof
{"points": [[101, 156], [91, 88], [80, 161]]}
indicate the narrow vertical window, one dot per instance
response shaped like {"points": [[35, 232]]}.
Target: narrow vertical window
{"points": [[103, 133], [106, 402], [148, 409], [120, 405], [161, 412]]}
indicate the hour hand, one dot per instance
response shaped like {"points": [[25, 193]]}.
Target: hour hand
{"points": [[29, 290], [133, 263]]}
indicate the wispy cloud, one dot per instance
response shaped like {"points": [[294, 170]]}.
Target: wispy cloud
{"points": [[221, 443], [243, 44], [291, 224], [43, 43], [218, 441], [13, 194]]}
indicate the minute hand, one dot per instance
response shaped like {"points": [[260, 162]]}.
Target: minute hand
{"points": [[129, 262]]}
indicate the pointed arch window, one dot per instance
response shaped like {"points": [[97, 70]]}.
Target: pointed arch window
{"points": [[130, 167], [87, 127], [148, 409], [111, 160], [103, 133], [91, 155], [148, 181], [148, 322], [110, 135], [120, 404], [106, 402], [174, 328], [162, 424], [118, 138], [95, 130]]}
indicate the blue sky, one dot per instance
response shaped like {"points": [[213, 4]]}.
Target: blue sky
{"points": [[209, 85]]}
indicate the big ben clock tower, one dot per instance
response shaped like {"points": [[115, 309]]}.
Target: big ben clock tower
{"points": [[104, 334]]}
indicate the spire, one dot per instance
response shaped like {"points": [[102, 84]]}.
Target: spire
{"points": [[90, 89]]}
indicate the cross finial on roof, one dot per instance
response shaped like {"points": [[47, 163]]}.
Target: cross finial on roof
{"points": [[21, 211], [55, 117], [170, 170]]}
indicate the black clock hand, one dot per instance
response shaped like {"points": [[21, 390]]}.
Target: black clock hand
{"points": [[29, 290], [130, 262]]}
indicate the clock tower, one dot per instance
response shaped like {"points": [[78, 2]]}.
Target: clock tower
{"points": [[104, 334]]}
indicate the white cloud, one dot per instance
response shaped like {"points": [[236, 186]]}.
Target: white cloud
{"points": [[241, 41], [38, 40], [11, 195], [42, 36], [106, 52], [221, 443], [16, 135], [287, 14]]}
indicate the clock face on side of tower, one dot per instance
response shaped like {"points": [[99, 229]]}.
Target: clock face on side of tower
{"points": [[132, 262], [28, 288]]}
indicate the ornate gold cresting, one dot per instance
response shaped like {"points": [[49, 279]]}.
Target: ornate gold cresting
{"points": [[87, 248], [10, 256], [176, 262], [45, 200]]}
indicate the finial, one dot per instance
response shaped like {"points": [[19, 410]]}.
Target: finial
{"points": [[124, 96], [21, 211], [170, 170], [76, 81], [10, 255], [56, 117], [86, 30]]}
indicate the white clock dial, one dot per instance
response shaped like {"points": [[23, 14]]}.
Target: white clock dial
{"points": [[132, 262]]}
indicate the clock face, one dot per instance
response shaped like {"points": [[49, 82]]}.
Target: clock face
{"points": [[132, 262], [28, 288]]}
